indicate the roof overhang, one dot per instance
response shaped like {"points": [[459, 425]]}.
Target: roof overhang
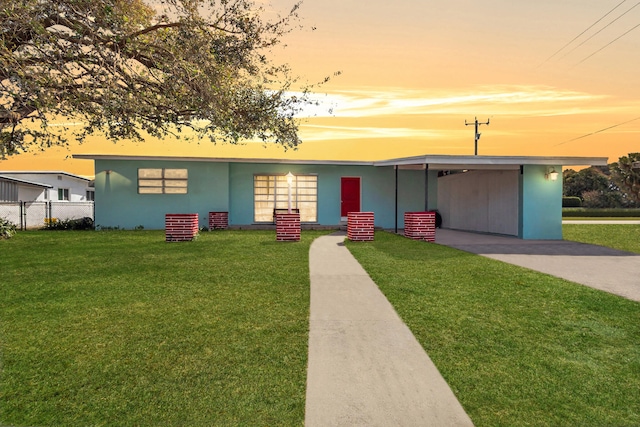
{"points": [[222, 160], [436, 162]]}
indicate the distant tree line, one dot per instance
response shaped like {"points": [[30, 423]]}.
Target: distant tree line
{"points": [[616, 185]]}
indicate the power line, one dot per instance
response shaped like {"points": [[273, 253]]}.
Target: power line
{"points": [[600, 30], [578, 36], [598, 131], [611, 42]]}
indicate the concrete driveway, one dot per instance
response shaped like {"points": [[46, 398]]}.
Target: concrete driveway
{"points": [[609, 270]]}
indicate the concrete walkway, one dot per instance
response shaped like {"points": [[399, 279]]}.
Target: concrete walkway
{"points": [[365, 366], [607, 269]]}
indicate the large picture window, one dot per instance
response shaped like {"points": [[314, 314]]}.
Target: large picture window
{"points": [[272, 192], [162, 181]]}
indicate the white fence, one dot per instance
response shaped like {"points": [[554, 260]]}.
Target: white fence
{"points": [[29, 215]]}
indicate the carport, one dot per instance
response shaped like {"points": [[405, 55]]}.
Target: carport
{"points": [[509, 195]]}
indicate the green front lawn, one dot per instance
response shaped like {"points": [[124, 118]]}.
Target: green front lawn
{"points": [[519, 348], [625, 237], [121, 328]]}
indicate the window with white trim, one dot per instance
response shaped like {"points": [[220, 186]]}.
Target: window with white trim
{"points": [[162, 181], [271, 192], [91, 195], [63, 194]]}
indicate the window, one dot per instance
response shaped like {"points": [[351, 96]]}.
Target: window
{"points": [[272, 192], [91, 195], [162, 181], [63, 194]]}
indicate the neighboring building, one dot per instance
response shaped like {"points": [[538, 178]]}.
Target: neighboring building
{"points": [[32, 199], [14, 190], [515, 196], [53, 186]]}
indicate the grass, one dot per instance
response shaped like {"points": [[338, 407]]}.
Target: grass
{"points": [[121, 328], [595, 213], [518, 348], [625, 237], [601, 218]]}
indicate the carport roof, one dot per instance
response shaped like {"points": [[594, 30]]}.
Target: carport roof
{"points": [[445, 162], [440, 162]]}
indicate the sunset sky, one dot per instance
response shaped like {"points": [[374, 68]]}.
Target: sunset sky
{"points": [[414, 70]]}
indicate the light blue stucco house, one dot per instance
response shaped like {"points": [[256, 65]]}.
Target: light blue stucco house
{"points": [[517, 196]]}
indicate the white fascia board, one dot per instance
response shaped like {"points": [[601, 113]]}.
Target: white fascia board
{"points": [[484, 162]]}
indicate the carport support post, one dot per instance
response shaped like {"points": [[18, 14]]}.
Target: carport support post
{"points": [[396, 226], [426, 187]]}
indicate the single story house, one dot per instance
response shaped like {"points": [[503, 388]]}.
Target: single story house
{"points": [[518, 196], [44, 186]]}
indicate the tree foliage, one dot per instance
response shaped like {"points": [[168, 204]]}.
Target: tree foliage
{"points": [[124, 68], [614, 186], [626, 176], [589, 179]]}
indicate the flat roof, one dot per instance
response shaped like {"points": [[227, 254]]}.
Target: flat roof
{"points": [[442, 162]]}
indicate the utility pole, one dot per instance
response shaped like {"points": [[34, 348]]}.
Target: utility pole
{"points": [[476, 133]]}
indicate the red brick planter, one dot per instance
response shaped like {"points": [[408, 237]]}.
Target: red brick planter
{"points": [[180, 227], [360, 226], [288, 227], [218, 220], [420, 226]]}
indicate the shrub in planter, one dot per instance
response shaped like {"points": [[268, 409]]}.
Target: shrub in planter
{"points": [[7, 229]]}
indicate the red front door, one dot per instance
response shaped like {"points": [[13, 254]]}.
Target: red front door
{"points": [[350, 195]]}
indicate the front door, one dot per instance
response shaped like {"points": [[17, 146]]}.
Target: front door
{"points": [[350, 195]]}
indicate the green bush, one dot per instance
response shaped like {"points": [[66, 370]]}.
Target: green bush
{"points": [[85, 223], [571, 202], [7, 229], [595, 212]]}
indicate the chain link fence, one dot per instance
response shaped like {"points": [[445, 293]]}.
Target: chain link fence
{"points": [[33, 215]]}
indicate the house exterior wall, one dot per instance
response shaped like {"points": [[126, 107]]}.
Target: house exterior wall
{"points": [[32, 194], [118, 203], [540, 204], [377, 190], [482, 201], [220, 186]]}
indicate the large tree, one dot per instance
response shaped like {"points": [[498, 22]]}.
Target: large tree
{"points": [[126, 67]]}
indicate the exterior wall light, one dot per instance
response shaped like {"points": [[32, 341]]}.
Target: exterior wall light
{"points": [[551, 175]]}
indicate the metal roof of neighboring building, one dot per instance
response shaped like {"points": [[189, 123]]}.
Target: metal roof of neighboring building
{"points": [[36, 172], [25, 182]]}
